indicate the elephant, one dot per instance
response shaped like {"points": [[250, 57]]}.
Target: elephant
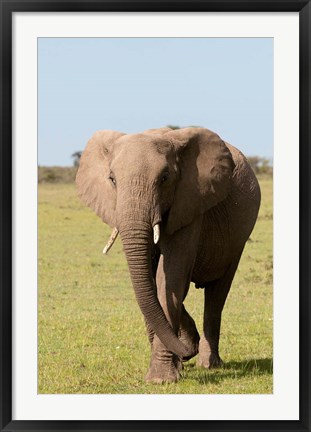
{"points": [[184, 203]]}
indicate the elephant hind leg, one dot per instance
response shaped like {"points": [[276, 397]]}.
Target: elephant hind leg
{"points": [[188, 334], [215, 294]]}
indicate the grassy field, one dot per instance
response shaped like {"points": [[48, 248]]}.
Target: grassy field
{"points": [[91, 332]]}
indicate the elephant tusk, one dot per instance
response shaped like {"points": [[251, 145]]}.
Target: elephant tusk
{"points": [[111, 240], [156, 233]]}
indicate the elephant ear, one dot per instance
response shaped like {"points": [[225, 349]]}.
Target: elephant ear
{"points": [[206, 169], [93, 184]]}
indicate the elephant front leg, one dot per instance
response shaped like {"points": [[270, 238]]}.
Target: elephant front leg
{"points": [[164, 365], [172, 281]]}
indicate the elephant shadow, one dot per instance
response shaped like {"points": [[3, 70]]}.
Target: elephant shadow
{"points": [[234, 370]]}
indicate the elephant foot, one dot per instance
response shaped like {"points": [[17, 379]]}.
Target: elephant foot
{"points": [[189, 335], [165, 367], [163, 375], [209, 361], [194, 349]]}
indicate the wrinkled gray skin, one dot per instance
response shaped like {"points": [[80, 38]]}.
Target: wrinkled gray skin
{"points": [[205, 197]]}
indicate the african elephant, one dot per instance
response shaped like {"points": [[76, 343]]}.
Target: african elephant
{"points": [[184, 203]]}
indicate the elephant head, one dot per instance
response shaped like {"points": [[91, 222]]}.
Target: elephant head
{"points": [[161, 179]]}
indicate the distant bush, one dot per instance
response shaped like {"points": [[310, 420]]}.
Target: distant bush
{"points": [[56, 174], [260, 165], [174, 127]]}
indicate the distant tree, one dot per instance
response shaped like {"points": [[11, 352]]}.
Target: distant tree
{"points": [[173, 127], [178, 127], [260, 165], [76, 158]]}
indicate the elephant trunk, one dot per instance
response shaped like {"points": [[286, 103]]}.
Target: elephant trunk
{"points": [[137, 240]]}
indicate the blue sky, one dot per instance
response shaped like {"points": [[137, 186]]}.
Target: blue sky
{"points": [[132, 84]]}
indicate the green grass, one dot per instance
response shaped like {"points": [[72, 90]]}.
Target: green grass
{"points": [[91, 332]]}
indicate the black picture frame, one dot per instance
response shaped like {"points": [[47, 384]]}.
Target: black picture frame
{"points": [[7, 9]]}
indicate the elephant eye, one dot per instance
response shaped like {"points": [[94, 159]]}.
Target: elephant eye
{"points": [[112, 179], [164, 177]]}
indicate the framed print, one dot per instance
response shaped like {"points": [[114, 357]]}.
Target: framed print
{"points": [[185, 128]]}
